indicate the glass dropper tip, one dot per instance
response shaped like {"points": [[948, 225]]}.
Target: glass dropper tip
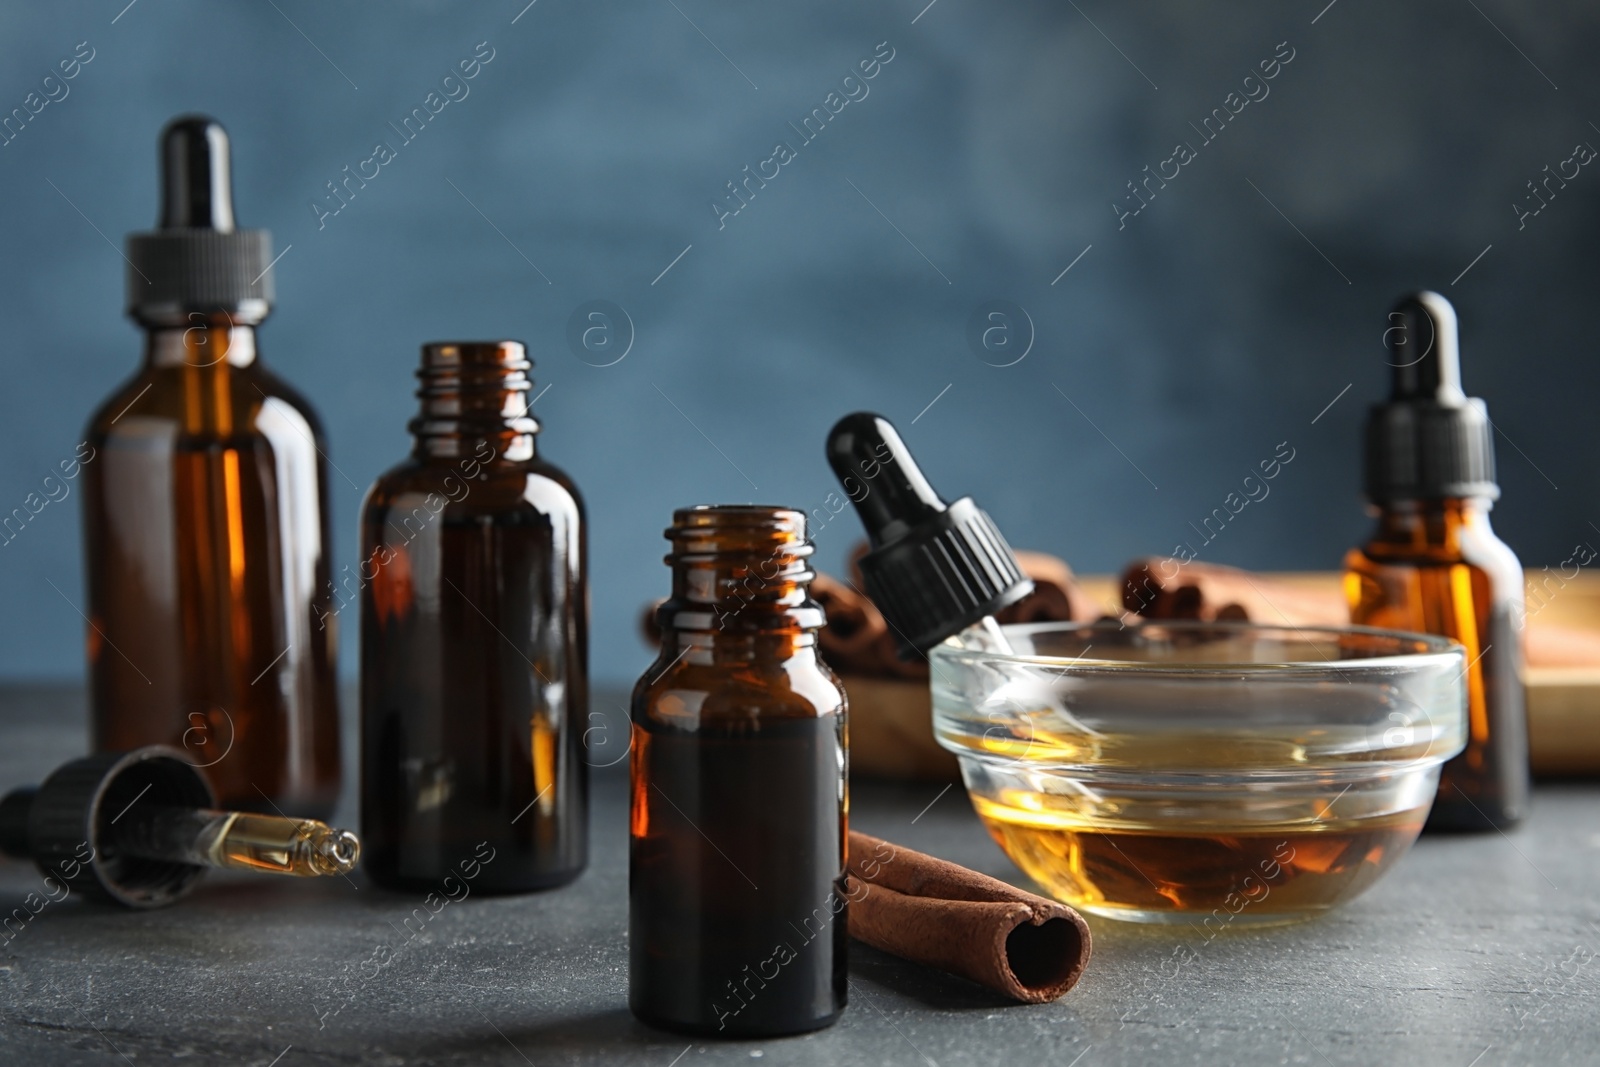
{"points": [[335, 851]]}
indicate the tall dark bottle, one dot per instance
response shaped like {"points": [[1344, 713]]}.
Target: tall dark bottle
{"points": [[205, 520], [474, 641], [737, 918], [1434, 564]]}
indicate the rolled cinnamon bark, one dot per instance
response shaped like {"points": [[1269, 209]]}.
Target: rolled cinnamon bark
{"points": [[1163, 588], [1056, 595], [852, 626], [856, 640], [942, 915], [1209, 592]]}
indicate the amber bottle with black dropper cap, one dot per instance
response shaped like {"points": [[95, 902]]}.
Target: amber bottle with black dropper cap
{"points": [[205, 520], [1434, 564], [738, 917], [474, 641]]}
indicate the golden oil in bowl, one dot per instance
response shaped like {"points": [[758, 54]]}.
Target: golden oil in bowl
{"points": [[1208, 773]]}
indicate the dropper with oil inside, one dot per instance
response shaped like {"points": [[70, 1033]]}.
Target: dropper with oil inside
{"points": [[271, 844], [140, 828]]}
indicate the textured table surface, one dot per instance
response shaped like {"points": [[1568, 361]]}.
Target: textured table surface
{"points": [[1474, 952]]}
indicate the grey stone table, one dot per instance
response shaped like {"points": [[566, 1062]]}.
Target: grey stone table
{"points": [[1474, 952]]}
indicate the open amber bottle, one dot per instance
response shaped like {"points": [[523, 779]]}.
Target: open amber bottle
{"points": [[737, 914], [205, 522], [474, 631], [1435, 565]]}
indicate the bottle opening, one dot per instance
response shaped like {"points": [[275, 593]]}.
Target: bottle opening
{"points": [[740, 566], [475, 390], [467, 356]]}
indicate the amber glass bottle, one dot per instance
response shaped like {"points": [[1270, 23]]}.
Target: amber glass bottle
{"points": [[474, 631], [1434, 564], [205, 527], [737, 921]]}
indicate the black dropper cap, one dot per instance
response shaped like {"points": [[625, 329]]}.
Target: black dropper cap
{"points": [[196, 261], [1430, 441], [67, 825], [934, 568]]}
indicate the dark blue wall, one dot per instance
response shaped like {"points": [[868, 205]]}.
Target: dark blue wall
{"points": [[986, 156]]}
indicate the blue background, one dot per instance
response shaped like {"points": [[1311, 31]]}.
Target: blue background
{"points": [[1174, 355]]}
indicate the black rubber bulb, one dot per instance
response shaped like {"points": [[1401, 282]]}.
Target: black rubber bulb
{"points": [[1423, 351], [934, 568], [875, 467], [196, 176]]}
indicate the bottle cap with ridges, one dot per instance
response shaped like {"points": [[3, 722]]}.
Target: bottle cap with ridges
{"points": [[196, 261], [1429, 440]]}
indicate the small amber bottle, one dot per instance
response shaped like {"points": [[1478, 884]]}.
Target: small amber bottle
{"points": [[1434, 564], [737, 914], [474, 641], [204, 523]]}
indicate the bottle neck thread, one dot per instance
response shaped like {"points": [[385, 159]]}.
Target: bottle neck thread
{"points": [[474, 392], [741, 570]]}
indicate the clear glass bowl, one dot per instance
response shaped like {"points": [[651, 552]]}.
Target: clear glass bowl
{"points": [[1209, 773]]}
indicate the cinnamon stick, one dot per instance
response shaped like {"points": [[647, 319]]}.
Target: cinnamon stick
{"points": [[1163, 588], [1056, 596], [942, 915], [1156, 587], [853, 626], [856, 639]]}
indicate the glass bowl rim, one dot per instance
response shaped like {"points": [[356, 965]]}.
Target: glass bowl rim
{"points": [[1439, 651]]}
